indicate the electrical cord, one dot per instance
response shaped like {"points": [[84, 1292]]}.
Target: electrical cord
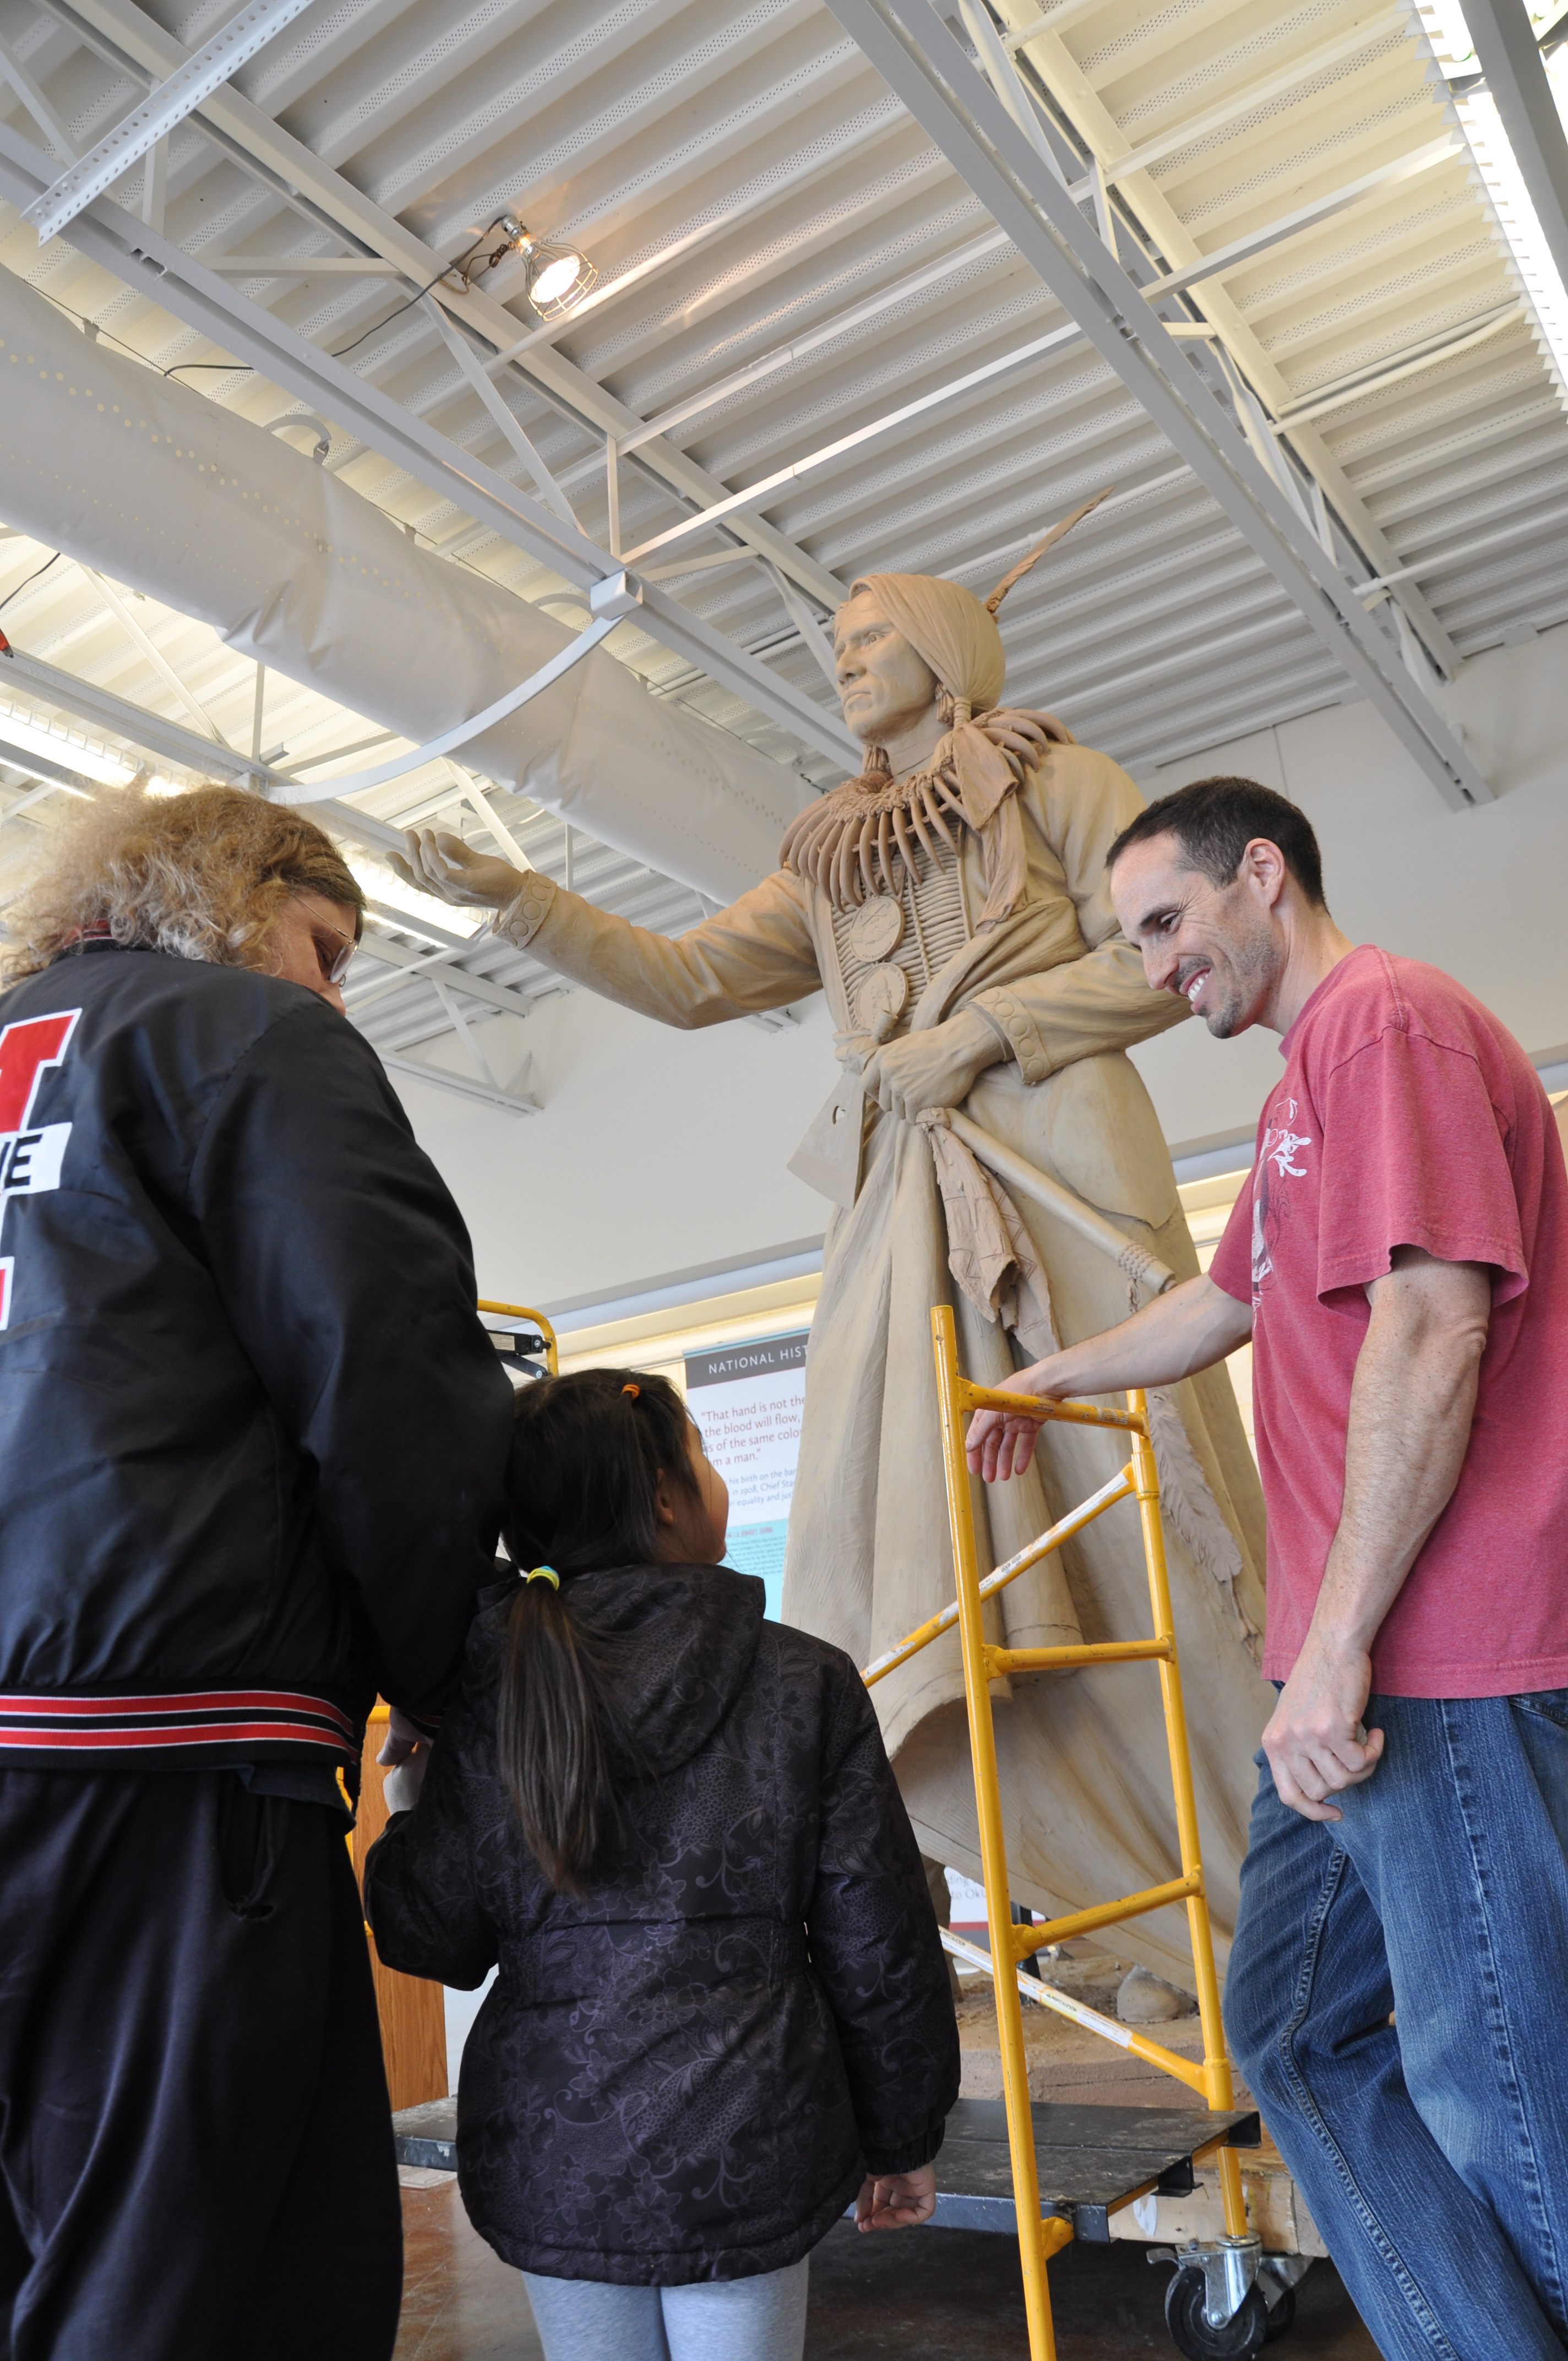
{"points": [[444, 273], [30, 578]]}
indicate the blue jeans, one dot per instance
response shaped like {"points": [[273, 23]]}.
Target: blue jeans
{"points": [[1434, 2152]]}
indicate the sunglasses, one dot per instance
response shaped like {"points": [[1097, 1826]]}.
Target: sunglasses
{"points": [[334, 965]]}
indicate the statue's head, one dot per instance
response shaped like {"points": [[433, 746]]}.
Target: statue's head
{"points": [[901, 640], [906, 642]]}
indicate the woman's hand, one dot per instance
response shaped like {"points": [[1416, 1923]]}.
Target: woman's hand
{"points": [[405, 1757], [453, 872], [896, 2200]]}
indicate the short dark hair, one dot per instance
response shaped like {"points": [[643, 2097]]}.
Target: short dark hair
{"points": [[1214, 820]]}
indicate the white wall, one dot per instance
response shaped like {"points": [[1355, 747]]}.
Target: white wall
{"points": [[661, 1152], [657, 1152]]}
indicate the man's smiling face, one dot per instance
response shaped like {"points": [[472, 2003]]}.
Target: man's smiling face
{"points": [[1220, 947]]}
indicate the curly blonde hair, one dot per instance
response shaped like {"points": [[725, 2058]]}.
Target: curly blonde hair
{"points": [[205, 875]]}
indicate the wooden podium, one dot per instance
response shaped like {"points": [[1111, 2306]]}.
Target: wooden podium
{"points": [[412, 2011]]}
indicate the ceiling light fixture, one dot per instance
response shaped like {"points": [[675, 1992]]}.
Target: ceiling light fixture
{"points": [[1444, 21], [558, 276]]}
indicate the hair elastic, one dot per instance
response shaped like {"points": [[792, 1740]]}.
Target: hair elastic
{"points": [[544, 1574], [635, 1391]]}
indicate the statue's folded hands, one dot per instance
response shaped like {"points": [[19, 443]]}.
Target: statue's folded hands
{"points": [[933, 1069]]}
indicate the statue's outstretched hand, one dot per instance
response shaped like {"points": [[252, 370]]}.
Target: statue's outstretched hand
{"points": [[443, 865]]}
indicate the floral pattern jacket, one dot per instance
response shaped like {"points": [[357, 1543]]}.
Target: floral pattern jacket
{"points": [[683, 2074]]}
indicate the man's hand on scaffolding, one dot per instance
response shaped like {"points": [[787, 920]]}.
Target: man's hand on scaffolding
{"points": [[1188, 1328], [933, 1069], [896, 2200]]}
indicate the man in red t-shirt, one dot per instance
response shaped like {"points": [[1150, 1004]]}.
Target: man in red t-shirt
{"points": [[1397, 1981]]}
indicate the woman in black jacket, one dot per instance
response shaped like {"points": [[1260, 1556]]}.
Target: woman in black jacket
{"points": [[722, 2013]]}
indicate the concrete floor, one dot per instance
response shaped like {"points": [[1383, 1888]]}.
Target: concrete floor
{"points": [[919, 2295]]}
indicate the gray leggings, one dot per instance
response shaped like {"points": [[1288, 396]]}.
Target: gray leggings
{"points": [[761, 2319]]}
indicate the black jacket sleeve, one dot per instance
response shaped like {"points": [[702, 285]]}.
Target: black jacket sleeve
{"points": [[420, 1894], [346, 1270], [875, 1947]]}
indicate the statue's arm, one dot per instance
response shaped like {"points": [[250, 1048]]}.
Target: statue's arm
{"points": [[756, 955], [1081, 801]]}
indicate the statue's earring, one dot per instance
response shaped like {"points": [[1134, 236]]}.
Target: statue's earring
{"points": [[952, 711]]}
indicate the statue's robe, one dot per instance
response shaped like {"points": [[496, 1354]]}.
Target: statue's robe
{"points": [[1086, 1788]]}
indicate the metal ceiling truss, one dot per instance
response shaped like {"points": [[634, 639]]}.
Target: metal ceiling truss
{"points": [[127, 36], [1088, 124], [141, 257], [1509, 48], [384, 925], [920, 58]]}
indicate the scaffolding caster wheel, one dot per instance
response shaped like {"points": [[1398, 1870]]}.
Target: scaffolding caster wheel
{"points": [[1240, 2338]]}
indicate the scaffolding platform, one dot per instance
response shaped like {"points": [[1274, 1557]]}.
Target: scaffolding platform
{"points": [[1093, 2161]]}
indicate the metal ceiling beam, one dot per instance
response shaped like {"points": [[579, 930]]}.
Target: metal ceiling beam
{"points": [[769, 487], [40, 767], [918, 58], [189, 752], [301, 265], [459, 1083], [1098, 132], [1506, 44], [140, 637], [1368, 185], [13, 71], [144, 259], [377, 944], [1236, 103], [150, 731], [826, 332], [153, 117], [121, 29]]}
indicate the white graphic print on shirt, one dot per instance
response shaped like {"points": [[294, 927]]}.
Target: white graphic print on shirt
{"points": [[1282, 1145]]}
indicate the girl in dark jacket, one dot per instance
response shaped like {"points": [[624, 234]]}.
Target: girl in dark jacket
{"points": [[723, 2012]]}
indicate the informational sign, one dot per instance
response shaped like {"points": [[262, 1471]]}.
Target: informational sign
{"points": [[747, 1400]]}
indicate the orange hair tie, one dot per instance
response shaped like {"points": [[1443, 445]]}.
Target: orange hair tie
{"points": [[635, 1391]]}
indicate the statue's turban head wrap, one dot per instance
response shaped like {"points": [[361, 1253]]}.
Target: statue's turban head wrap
{"points": [[949, 628], [857, 840]]}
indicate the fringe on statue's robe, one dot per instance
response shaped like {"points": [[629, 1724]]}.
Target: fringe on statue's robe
{"points": [[1085, 1785]]}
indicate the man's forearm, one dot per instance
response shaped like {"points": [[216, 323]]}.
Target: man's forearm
{"points": [[1190, 1327], [1412, 1404], [1411, 1409]]}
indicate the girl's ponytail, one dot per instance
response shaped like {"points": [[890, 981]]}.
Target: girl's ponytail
{"points": [[582, 1486], [551, 1732]]}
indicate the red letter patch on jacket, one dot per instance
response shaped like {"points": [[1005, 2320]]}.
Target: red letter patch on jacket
{"points": [[29, 1160]]}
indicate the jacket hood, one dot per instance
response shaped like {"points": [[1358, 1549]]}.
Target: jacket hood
{"points": [[691, 1635]]}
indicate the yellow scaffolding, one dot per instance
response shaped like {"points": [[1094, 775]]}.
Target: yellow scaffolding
{"points": [[520, 1312], [1041, 2236]]}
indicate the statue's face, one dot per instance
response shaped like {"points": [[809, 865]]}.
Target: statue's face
{"points": [[883, 687]]}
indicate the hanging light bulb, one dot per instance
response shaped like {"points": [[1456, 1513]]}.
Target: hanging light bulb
{"points": [[558, 276]]}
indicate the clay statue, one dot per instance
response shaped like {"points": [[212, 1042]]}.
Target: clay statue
{"points": [[950, 901]]}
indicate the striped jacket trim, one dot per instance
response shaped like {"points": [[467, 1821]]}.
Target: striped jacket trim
{"points": [[175, 1722]]}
